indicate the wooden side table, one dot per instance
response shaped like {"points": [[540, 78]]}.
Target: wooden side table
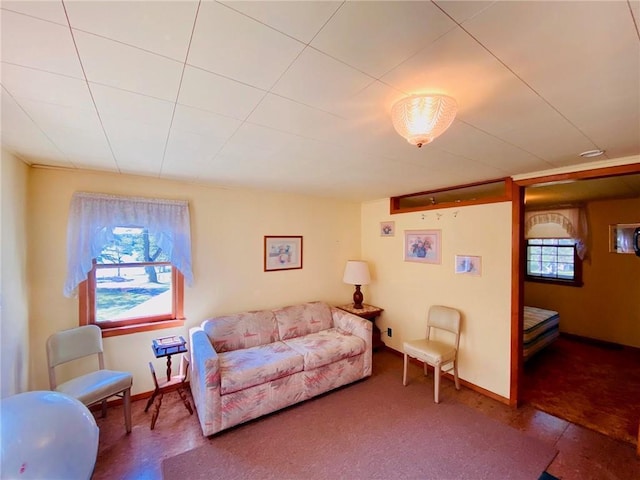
{"points": [[175, 382], [368, 312]]}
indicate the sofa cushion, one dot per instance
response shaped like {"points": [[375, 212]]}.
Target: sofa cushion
{"points": [[326, 346], [240, 369], [242, 330], [298, 320]]}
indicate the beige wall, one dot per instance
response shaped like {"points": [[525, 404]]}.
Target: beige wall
{"points": [[406, 289], [14, 310], [227, 236], [607, 306]]}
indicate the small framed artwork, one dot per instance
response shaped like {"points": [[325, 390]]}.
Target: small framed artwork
{"points": [[422, 246], [282, 253], [387, 229], [468, 264]]}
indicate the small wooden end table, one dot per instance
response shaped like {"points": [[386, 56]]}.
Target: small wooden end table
{"points": [[176, 382], [368, 312]]}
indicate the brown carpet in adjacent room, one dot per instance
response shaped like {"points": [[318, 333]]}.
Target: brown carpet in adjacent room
{"points": [[375, 428], [591, 384]]}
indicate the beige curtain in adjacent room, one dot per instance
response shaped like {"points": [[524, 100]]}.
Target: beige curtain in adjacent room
{"points": [[573, 221]]}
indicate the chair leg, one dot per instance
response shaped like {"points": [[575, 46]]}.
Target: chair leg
{"points": [[404, 374], [104, 408], [185, 400], [426, 369], [156, 411], [126, 400], [436, 382], [151, 399], [455, 374]]}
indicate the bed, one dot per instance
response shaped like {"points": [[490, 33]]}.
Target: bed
{"points": [[541, 328]]}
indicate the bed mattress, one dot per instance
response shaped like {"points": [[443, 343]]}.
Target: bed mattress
{"points": [[541, 327]]}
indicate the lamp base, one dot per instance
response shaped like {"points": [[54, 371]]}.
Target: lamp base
{"points": [[357, 298]]}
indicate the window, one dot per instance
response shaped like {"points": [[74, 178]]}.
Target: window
{"points": [[128, 259], [553, 260], [132, 282]]}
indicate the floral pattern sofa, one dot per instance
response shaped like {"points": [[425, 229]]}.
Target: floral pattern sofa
{"points": [[253, 363]]}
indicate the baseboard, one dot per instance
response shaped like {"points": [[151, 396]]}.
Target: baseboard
{"points": [[469, 385], [595, 341], [118, 401]]}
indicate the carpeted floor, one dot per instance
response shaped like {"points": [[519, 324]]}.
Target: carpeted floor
{"points": [[373, 429], [593, 385]]}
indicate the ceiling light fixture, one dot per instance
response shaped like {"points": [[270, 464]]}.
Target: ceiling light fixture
{"points": [[592, 153], [421, 118]]}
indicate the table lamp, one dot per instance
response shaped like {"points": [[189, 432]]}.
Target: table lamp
{"points": [[357, 273]]}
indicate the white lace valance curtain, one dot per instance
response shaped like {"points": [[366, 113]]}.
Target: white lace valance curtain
{"points": [[572, 220], [93, 216]]}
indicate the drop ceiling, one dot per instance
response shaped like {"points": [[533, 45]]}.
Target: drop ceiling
{"points": [[296, 96]]}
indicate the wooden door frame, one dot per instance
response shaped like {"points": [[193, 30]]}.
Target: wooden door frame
{"points": [[518, 256]]}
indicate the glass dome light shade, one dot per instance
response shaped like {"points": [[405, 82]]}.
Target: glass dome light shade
{"points": [[422, 118]]}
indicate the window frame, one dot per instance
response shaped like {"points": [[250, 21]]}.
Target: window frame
{"points": [[87, 305], [577, 266]]}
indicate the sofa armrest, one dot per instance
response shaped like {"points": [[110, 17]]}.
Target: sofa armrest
{"points": [[352, 324], [205, 380]]}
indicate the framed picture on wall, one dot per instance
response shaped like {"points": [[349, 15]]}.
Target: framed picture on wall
{"points": [[423, 246], [282, 253], [468, 265], [387, 229]]}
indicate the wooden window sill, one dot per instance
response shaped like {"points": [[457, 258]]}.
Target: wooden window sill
{"points": [[141, 327]]}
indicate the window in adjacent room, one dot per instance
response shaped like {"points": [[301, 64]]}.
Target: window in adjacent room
{"points": [[556, 245], [128, 259], [554, 260]]}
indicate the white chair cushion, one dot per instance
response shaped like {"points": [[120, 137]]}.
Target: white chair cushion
{"points": [[430, 351], [95, 386]]}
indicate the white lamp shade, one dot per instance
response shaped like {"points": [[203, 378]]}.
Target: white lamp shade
{"points": [[421, 118], [356, 273]]}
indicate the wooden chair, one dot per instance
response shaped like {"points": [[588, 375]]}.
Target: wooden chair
{"points": [[177, 383], [97, 386], [437, 353]]}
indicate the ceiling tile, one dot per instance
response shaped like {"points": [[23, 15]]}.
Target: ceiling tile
{"points": [[207, 91], [548, 135], [374, 37], [119, 104], [264, 142], [40, 44], [473, 144], [22, 136], [292, 117], [137, 147], [187, 148], [233, 45], [51, 116], [160, 27], [461, 11], [320, 81], [86, 149], [301, 20], [120, 66], [45, 87], [50, 11], [201, 122]]}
